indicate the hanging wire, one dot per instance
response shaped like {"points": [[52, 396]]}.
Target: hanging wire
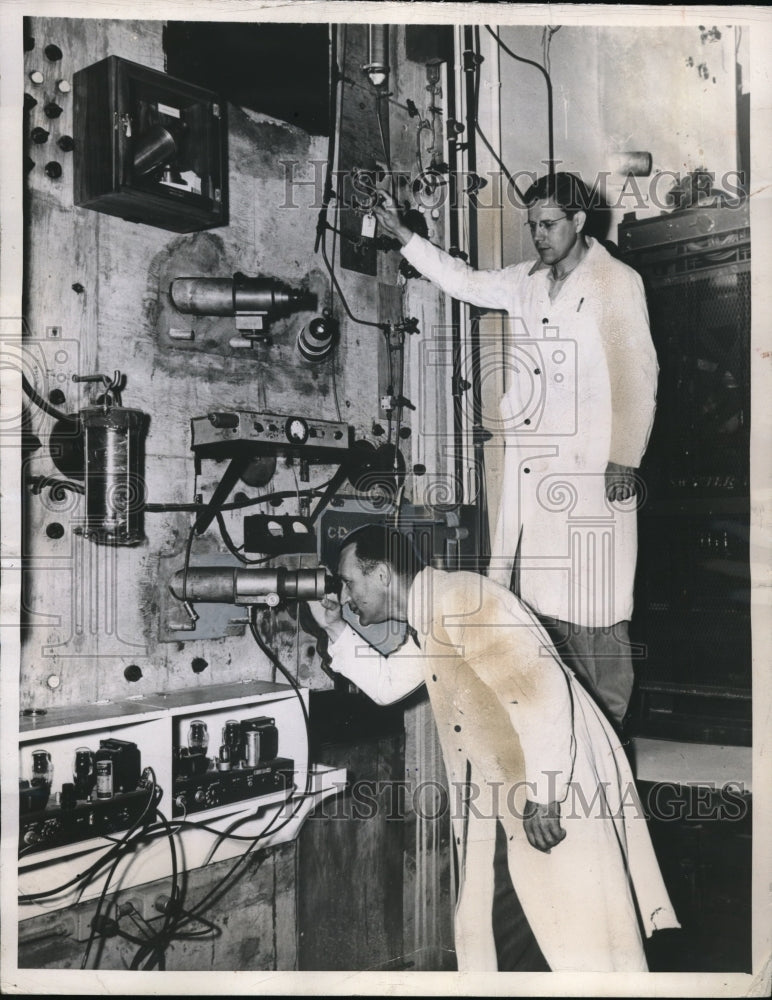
{"points": [[185, 569], [43, 404], [233, 549], [86, 876], [329, 194], [221, 887], [511, 180], [547, 80]]}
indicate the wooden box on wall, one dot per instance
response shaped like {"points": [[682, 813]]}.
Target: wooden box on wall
{"points": [[149, 148]]}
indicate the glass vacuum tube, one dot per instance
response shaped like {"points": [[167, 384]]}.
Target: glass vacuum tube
{"points": [[84, 772], [198, 737]]}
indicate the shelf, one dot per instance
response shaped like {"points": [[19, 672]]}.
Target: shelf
{"points": [[157, 723], [65, 719], [680, 763]]}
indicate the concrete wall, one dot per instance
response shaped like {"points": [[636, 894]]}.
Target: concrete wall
{"points": [[618, 89], [615, 89], [90, 612]]}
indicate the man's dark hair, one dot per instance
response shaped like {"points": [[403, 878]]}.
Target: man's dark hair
{"points": [[567, 191], [374, 543]]}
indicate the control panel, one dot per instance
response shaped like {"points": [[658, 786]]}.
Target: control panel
{"points": [[246, 766], [221, 433], [67, 823], [107, 794], [217, 788]]}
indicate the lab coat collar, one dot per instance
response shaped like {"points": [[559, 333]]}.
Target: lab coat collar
{"points": [[419, 603], [592, 251]]}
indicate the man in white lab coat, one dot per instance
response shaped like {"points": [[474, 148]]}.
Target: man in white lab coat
{"points": [[556, 868], [581, 374]]}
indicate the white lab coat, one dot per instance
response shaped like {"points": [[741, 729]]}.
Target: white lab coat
{"points": [[513, 723], [581, 384]]}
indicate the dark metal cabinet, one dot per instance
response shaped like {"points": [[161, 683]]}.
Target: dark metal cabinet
{"points": [[149, 148], [692, 601]]}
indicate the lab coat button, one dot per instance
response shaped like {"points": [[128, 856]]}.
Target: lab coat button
{"points": [[457, 728], [545, 320], [526, 470]]}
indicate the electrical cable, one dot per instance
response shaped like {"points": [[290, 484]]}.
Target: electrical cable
{"points": [[329, 192], [546, 42], [153, 830], [185, 568], [335, 233], [334, 373], [344, 303], [547, 80], [321, 228], [43, 404], [231, 547], [89, 873], [329, 493], [222, 886], [479, 130], [40, 483], [194, 508], [157, 953], [295, 687], [98, 913], [118, 858]]}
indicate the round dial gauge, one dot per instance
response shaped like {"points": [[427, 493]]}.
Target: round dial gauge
{"points": [[296, 430]]}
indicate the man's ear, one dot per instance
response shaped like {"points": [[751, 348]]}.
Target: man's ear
{"points": [[384, 573], [579, 220]]}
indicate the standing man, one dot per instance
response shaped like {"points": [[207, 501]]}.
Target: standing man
{"points": [[577, 409], [556, 868]]}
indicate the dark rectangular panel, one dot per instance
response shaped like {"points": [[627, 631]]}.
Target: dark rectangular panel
{"points": [[279, 69]]}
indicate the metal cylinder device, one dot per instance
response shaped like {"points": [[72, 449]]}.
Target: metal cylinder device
{"points": [[230, 296], [114, 482], [153, 149], [316, 341], [377, 66], [234, 585]]}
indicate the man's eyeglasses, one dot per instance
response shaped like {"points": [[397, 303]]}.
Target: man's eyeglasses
{"points": [[545, 224]]}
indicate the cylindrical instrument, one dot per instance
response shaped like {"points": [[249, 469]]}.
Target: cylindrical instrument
{"points": [[114, 482], [229, 296], [234, 585], [84, 773]]}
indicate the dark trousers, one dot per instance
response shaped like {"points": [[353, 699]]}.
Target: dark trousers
{"points": [[601, 660], [516, 946]]}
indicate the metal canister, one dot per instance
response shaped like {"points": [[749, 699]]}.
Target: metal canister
{"points": [[252, 740], [104, 778]]}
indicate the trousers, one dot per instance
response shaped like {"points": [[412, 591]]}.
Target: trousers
{"points": [[601, 659], [516, 947]]}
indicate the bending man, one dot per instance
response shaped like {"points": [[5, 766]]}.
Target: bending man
{"points": [[554, 855]]}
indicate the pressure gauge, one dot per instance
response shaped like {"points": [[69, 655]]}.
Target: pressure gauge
{"points": [[296, 430]]}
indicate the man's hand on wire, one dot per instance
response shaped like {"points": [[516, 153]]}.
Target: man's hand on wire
{"points": [[620, 482], [387, 215], [542, 825]]}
